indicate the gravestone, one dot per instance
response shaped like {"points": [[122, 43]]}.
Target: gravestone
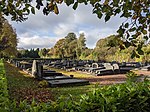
{"points": [[37, 69], [17, 64], [146, 68], [116, 68], [108, 66], [108, 70], [95, 65]]}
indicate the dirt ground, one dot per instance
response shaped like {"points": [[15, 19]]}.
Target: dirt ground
{"points": [[114, 79]]}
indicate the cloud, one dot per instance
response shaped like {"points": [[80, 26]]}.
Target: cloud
{"points": [[28, 42], [44, 31], [64, 29]]}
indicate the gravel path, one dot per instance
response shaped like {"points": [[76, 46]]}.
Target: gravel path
{"points": [[108, 79], [114, 79]]}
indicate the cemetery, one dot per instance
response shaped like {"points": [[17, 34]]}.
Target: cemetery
{"points": [[41, 69], [44, 70], [73, 62]]}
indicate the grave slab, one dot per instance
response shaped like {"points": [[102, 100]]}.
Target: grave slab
{"points": [[67, 82], [46, 74], [56, 77]]}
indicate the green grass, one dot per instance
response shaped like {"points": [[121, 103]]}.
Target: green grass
{"points": [[77, 74], [74, 91], [4, 97], [23, 86]]}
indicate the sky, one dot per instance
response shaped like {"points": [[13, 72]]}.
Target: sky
{"points": [[41, 31]]}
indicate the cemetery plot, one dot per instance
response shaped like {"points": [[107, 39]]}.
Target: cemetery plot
{"points": [[22, 86], [67, 82], [89, 67], [145, 68], [40, 73], [56, 77]]}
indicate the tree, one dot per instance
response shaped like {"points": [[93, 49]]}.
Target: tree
{"points": [[106, 48], [80, 45], [8, 39], [70, 45], [65, 47], [43, 52], [58, 48], [70, 37], [25, 53]]}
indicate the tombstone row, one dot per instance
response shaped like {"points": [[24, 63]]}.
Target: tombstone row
{"points": [[36, 70], [96, 68]]}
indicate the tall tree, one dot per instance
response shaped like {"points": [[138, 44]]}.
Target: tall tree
{"points": [[8, 39], [81, 45], [70, 37], [106, 47], [59, 48], [70, 45]]}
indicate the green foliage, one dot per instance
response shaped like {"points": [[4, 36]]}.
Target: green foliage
{"points": [[69, 47], [131, 76], [43, 84], [28, 53], [81, 46], [43, 52], [8, 39], [4, 100], [107, 49], [125, 98], [128, 97]]}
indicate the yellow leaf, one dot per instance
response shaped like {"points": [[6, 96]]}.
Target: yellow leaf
{"points": [[56, 11]]}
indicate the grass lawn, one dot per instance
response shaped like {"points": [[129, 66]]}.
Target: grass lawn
{"points": [[22, 86]]}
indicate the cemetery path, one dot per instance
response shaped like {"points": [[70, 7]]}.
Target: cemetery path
{"points": [[114, 79], [146, 73], [107, 79]]}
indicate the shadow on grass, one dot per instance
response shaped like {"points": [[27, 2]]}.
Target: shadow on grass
{"points": [[22, 86]]}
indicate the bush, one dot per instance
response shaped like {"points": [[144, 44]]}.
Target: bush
{"points": [[43, 84], [131, 76], [128, 97]]}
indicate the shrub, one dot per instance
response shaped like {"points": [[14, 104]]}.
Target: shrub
{"points": [[128, 97], [131, 76], [43, 84]]}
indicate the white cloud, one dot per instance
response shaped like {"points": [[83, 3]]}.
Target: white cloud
{"points": [[36, 42], [44, 31], [64, 29]]}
